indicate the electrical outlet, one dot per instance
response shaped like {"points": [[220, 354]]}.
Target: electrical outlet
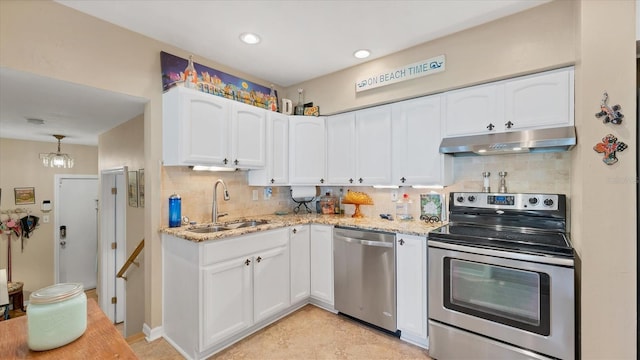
{"points": [[268, 191], [394, 195], [254, 196]]}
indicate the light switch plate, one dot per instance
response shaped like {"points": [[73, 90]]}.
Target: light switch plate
{"points": [[267, 193], [394, 195], [255, 195]]}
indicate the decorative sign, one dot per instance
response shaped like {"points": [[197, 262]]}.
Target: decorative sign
{"points": [[407, 72], [608, 147]]}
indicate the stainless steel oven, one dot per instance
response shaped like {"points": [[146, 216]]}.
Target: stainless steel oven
{"points": [[501, 279]]}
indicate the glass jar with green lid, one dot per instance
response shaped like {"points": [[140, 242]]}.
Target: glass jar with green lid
{"points": [[56, 316]]}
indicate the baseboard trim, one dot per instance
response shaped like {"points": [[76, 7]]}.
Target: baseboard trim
{"points": [[151, 334], [135, 338]]}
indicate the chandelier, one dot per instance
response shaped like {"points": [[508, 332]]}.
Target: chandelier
{"points": [[57, 159]]}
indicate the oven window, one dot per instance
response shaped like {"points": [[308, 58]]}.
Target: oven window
{"points": [[509, 296]]}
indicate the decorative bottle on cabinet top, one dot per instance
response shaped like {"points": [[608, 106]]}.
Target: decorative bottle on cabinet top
{"points": [[190, 75], [299, 109]]}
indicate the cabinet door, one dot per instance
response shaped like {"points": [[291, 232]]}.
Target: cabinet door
{"points": [[475, 110], [270, 282], [276, 169], [416, 141], [227, 306], [300, 263], [195, 128], [411, 263], [321, 250], [248, 136], [541, 100], [373, 146], [341, 155], [306, 150]]}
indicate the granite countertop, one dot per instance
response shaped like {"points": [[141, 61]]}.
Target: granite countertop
{"points": [[412, 227]]}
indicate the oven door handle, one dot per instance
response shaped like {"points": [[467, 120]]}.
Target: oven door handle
{"points": [[551, 260], [365, 242]]}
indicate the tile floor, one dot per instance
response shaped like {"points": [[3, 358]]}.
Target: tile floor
{"points": [[309, 333]]}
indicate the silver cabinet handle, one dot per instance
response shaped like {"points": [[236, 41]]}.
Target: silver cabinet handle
{"points": [[364, 242]]}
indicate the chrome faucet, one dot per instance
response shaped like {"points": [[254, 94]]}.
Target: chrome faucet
{"points": [[214, 207]]}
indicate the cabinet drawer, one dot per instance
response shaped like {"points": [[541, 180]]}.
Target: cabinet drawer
{"points": [[244, 245]]}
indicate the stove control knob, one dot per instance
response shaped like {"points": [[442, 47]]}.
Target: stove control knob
{"points": [[548, 202], [460, 199], [471, 198], [533, 201]]}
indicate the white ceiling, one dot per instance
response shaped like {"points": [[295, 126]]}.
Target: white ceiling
{"points": [[301, 40]]}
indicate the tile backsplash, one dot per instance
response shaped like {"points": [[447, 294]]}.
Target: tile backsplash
{"points": [[543, 172]]}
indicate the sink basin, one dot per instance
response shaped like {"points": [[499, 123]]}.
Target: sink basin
{"points": [[210, 229], [245, 224]]}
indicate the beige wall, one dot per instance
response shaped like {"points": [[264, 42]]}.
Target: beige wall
{"points": [[538, 39], [604, 197], [20, 166], [118, 147]]}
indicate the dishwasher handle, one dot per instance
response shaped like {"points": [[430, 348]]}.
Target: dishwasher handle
{"points": [[365, 242]]}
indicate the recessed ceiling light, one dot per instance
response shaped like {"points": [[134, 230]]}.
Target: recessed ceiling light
{"points": [[249, 38], [362, 53], [33, 121]]}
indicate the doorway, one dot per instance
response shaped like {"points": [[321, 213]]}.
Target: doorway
{"points": [[76, 229], [113, 243]]}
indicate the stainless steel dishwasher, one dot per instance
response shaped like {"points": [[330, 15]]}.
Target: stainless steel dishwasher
{"points": [[364, 265]]}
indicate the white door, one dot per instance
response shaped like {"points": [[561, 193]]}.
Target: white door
{"points": [[270, 282], [341, 149], [373, 146], [411, 273], [77, 233], [321, 249], [306, 150], [112, 212], [300, 263], [248, 136]]}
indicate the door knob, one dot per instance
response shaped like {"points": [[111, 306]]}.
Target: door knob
{"points": [[247, 262], [295, 231], [259, 259], [401, 242], [490, 126], [63, 243]]}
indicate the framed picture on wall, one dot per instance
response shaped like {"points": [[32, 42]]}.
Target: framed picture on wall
{"points": [[133, 188], [25, 195], [141, 188]]}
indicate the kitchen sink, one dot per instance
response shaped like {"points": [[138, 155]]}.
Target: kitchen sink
{"points": [[244, 224], [210, 229]]}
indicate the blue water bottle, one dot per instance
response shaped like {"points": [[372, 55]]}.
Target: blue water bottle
{"points": [[175, 215]]}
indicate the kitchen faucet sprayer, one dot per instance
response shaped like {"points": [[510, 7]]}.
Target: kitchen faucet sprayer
{"points": [[214, 206]]}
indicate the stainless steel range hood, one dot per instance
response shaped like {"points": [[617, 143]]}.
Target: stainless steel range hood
{"points": [[539, 140]]}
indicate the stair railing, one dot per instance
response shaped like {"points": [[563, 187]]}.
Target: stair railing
{"points": [[130, 260]]}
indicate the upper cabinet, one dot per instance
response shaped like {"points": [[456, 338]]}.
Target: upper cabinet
{"points": [[248, 135], [474, 110], [359, 147], [202, 129], [276, 169], [541, 100], [536, 101], [416, 138], [307, 150]]}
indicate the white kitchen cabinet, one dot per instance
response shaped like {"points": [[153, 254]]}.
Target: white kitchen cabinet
{"points": [[270, 282], [416, 138], [359, 147], [300, 259], [276, 169], [248, 136], [227, 300], [321, 250], [195, 128], [203, 129], [411, 277], [341, 149], [219, 291], [539, 100], [474, 110], [307, 152], [373, 146]]}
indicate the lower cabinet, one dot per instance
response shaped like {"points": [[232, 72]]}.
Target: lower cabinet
{"points": [[411, 284], [300, 256], [322, 265], [214, 293]]}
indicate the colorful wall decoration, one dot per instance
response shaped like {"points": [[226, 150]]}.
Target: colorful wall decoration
{"points": [[216, 82]]}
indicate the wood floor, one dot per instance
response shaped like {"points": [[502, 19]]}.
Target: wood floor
{"points": [[309, 333]]}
